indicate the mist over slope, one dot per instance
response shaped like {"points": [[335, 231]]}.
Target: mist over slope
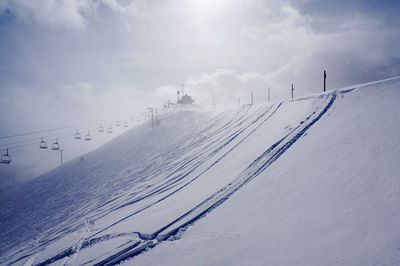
{"points": [[308, 181]]}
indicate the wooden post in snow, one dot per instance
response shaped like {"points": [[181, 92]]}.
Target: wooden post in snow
{"points": [[292, 90]]}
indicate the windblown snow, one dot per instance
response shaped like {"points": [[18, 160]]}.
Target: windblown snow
{"points": [[309, 181]]}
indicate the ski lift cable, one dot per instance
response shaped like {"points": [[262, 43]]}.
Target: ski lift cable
{"points": [[51, 136], [54, 129], [47, 137], [89, 126], [29, 144], [31, 165], [36, 140]]}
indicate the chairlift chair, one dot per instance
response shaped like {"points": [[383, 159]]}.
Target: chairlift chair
{"points": [[118, 124], [43, 144], [88, 137], [125, 124], [55, 146], [101, 128], [77, 135], [110, 130], [6, 158]]}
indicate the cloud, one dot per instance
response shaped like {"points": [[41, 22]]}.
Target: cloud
{"points": [[70, 14], [53, 13]]}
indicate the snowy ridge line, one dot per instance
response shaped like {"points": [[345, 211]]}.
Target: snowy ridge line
{"points": [[87, 241], [252, 171]]}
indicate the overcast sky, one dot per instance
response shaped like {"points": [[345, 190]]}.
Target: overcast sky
{"points": [[71, 61]]}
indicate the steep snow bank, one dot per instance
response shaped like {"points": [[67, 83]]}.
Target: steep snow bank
{"points": [[332, 199], [308, 181]]}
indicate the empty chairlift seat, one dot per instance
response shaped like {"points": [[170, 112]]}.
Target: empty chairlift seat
{"points": [[77, 135], [101, 128], [6, 158], [110, 130], [55, 146], [88, 137], [43, 144], [125, 124]]}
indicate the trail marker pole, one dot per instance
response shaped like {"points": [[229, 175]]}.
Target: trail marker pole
{"points": [[292, 90], [324, 80], [252, 99], [61, 156]]}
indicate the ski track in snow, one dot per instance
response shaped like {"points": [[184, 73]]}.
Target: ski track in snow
{"points": [[166, 176], [252, 171]]}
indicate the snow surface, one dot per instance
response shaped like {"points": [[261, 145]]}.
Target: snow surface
{"points": [[310, 181]]}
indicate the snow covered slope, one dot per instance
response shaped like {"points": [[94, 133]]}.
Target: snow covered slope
{"points": [[311, 181]]}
